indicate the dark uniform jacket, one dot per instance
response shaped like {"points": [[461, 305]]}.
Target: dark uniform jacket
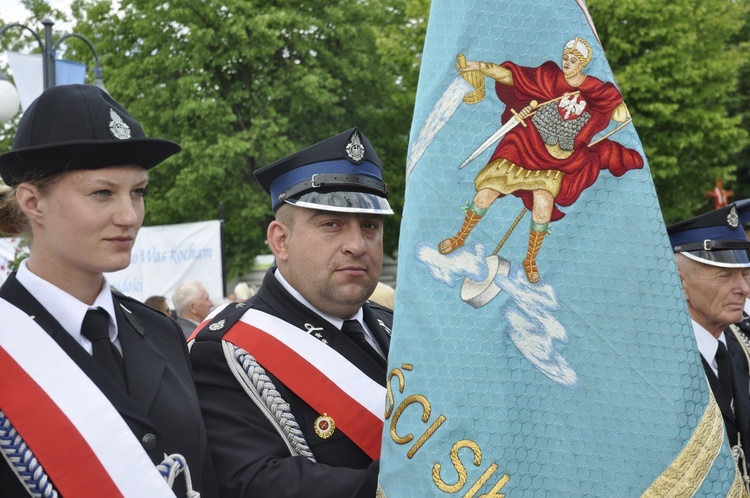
{"points": [[739, 421], [161, 407], [250, 457]]}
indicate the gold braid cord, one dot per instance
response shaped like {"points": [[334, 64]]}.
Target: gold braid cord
{"points": [[475, 79], [738, 490], [379, 493], [686, 473]]}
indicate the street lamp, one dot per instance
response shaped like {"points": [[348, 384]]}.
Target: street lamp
{"points": [[9, 101]]}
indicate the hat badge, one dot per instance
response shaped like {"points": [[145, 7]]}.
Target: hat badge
{"points": [[117, 126], [355, 149], [733, 220]]}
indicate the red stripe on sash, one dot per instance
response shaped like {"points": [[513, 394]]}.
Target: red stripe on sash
{"points": [[307, 382], [56, 443]]}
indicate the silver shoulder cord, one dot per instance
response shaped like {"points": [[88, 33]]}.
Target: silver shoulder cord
{"points": [[32, 475], [261, 390]]}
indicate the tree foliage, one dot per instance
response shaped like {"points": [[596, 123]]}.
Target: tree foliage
{"points": [[241, 83], [739, 105], [677, 64]]}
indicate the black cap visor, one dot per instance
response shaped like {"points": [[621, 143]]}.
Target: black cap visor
{"points": [[343, 202], [736, 258]]}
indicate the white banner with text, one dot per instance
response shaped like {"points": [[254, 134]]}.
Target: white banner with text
{"points": [[163, 256]]}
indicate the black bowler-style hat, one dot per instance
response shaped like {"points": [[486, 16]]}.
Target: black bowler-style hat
{"points": [[342, 173], [73, 127], [716, 238]]}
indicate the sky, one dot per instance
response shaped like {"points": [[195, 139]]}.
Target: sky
{"points": [[14, 11]]}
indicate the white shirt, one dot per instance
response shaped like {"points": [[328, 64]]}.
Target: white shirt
{"points": [[335, 321], [68, 310], [708, 344]]}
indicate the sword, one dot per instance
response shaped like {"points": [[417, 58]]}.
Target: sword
{"points": [[518, 118]]}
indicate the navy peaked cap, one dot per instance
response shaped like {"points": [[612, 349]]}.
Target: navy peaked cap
{"points": [[342, 173], [743, 210], [715, 238]]}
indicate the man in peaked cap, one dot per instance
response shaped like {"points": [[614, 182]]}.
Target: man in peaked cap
{"points": [[741, 329], [712, 260], [291, 382]]}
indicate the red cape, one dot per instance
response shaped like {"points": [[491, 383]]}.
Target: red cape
{"points": [[524, 146]]}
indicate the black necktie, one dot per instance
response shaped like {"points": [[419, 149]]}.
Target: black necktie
{"points": [[95, 328], [724, 362], [353, 329]]}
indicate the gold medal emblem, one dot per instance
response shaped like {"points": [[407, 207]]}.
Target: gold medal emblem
{"points": [[324, 426]]}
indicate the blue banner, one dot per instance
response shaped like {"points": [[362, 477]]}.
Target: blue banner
{"points": [[541, 343], [69, 72]]}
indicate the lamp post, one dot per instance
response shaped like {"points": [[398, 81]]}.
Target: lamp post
{"points": [[9, 94]]}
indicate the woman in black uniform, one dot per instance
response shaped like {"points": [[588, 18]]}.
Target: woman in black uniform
{"points": [[121, 397]]}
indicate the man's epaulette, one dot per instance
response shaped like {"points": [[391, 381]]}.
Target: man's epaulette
{"points": [[224, 320], [377, 306]]}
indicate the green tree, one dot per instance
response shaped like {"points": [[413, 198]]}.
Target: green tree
{"points": [[740, 106], [242, 83], [677, 64]]}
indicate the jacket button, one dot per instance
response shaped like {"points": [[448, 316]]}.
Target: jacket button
{"points": [[149, 441]]}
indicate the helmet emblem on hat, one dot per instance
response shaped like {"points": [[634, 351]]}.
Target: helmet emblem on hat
{"points": [[117, 126], [733, 220], [354, 149]]}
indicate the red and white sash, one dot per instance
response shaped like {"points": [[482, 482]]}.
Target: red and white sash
{"points": [[318, 374], [75, 433]]}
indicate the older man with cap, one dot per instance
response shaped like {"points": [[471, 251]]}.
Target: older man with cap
{"points": [[712, 260], [741, 329], [291, 382]]}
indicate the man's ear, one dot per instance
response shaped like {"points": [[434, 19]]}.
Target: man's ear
{"points": [[29, 198], [278, 239], [682, 271]]}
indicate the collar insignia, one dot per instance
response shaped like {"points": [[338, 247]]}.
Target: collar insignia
{"points": [[117, 127], [387, 330], [217, 326]]}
